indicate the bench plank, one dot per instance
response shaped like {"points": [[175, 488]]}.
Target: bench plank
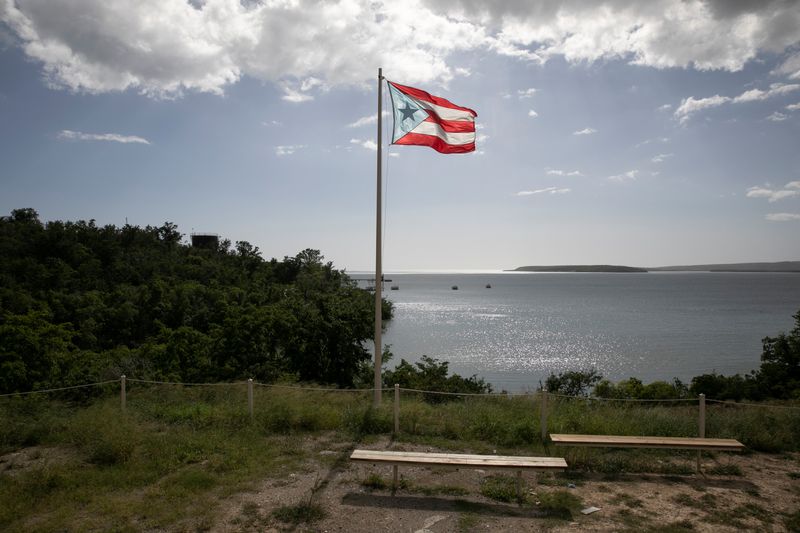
{"points": [[459, 460], [682, 443]]}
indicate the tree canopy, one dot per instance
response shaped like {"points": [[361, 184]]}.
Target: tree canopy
{"points": [[81, 302]]}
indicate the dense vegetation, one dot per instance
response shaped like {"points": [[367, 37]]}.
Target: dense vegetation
{"points": [[778, 377], [82, 303]]}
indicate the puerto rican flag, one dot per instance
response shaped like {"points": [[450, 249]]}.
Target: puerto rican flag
{"points": [[425, 120]]}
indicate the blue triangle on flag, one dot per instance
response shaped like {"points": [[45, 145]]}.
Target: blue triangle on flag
{"points": [[407, 113]]}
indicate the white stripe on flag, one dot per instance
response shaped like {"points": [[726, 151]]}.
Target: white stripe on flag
{"points": [[445, 113], [431, 128]]}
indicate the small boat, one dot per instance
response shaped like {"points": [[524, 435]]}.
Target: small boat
{"points": [[395, 287], [488, 285], [454, 287]]}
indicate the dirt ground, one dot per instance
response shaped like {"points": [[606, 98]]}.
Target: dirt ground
{"points": [[758, 495]]}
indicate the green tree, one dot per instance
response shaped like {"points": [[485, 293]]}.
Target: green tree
{"points": [[779, 374]]}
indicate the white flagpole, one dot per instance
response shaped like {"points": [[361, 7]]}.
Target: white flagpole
{"points": [[378, 266]]}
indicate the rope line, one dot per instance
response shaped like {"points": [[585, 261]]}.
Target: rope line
{"points": [[59, 389], [316, 389], [595, 398], [495, 394], [390, 389], [726, 402], [133, 380]]}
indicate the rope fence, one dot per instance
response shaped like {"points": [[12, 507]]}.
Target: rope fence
{"points": [[43, 391], [401, 389], [543, 397], [643, 400]]}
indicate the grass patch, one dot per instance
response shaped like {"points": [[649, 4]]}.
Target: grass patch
{"points": [[725, 470], [674, 527], [502, 488], [792, 521], [374, 482], [706, 501], [301, 513], [559, 504], [467, 522], [627, 500], [250, 517]]}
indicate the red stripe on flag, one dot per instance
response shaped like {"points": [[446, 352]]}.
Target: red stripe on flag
{"points": [[427, 97], [436, 143], [451, 126]]}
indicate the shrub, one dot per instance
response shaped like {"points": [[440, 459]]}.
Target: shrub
{"points": [[573, 382]]}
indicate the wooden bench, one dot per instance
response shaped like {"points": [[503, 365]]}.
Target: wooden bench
{"points": [[678, 443], [456, 460]]}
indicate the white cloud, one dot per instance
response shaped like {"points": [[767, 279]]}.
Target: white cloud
{"points": [[369, 144], [585, 131], [651, 141], [773, 195], [546, 190], [164, 47], [557, 172], [660, 158], [701, 34], [272, 123], [526, 93], [288, 149], [532, 113], [793, 107], [690, 105], [777, 117], [110, 137], [790, 67], [665, 107], [481, 137], [793, 185], [782, 217], [368, 120], [626, 176]]}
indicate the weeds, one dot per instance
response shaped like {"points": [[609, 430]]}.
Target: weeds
{"points": [[300, 513], [725, 470], [502, 488], [559, 504]]}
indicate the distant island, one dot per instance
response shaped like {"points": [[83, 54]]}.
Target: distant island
{"points": [[579, 268], [780, 266]]}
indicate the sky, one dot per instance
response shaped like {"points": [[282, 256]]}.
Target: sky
{"points": [[621, 132]]}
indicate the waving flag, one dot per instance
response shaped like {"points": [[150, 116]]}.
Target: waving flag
{"points": [[426, 120]]}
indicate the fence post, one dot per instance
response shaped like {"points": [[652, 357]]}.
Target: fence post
{"points": [[543, 409], [396, 408], [250, 397], [122, 392], [701, 424]]}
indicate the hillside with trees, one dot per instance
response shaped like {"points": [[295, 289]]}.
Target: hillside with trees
{"points": [[81, 302]]}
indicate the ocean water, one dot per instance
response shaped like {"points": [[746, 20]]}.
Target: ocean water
{"points": [[649, 325]]}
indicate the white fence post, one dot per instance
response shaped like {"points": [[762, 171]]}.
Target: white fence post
{"points": [[701, 424], [396, 408], [250, 397], [543, 413], [122, 392]]}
